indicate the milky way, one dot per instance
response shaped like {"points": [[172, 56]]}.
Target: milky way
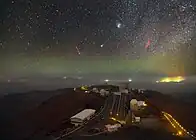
{"points": [[96, 36]]}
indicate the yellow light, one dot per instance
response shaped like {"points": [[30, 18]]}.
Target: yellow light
{"points": [[114, 119], [144, 104], [172, 79], [172, 121], [180, 133], [119, 121], [84, 88]]}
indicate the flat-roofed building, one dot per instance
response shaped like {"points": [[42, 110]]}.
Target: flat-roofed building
{"points": [[112, 128], [134, 105], [82, 116], [117, 93]]}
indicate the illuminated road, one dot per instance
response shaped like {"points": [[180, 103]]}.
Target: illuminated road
{"points": [[176, 125], [118, 108], [115, 105], [122, 111], [180, 130]]}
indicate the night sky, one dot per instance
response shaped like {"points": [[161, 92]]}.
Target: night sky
{"points": [[60, 37]]}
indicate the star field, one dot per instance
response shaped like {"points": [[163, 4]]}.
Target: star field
{"points": [[122, 36]]}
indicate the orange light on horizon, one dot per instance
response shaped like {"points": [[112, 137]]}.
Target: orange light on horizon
{"points": [[172, 79]]}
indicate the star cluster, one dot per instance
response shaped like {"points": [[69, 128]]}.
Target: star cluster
{"points": [[60, 37]]}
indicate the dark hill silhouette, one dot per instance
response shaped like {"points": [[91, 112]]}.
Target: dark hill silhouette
{"points": [[27, 114]]}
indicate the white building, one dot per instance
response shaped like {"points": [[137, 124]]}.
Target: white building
{"points": [[102, 92], [107, 93], [134, 104], [95, 90], [117, 93], [82, 116], [124, 90], [137, 119], [112, 128], [140, 103]]}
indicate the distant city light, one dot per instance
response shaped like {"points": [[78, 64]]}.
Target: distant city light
{"points": [[84, 88], [171, 79], [106, 80]]}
